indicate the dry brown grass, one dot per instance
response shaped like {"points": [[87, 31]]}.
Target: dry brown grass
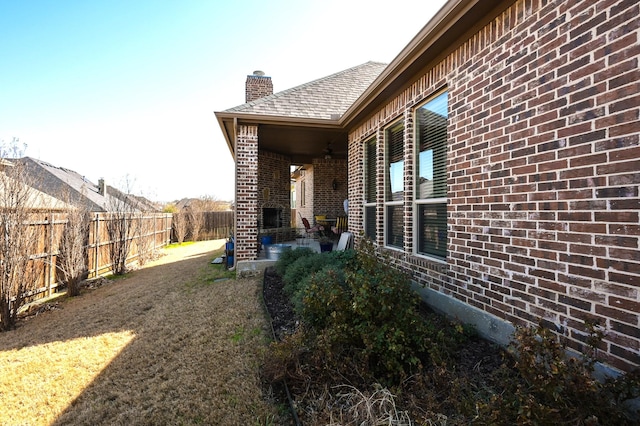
{"points": [[165, 345]]}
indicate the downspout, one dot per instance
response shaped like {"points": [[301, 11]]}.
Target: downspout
{"points": [[235, 192]]}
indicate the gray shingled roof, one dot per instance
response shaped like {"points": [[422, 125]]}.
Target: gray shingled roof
{"points": [[324, 98], [69, 185]]}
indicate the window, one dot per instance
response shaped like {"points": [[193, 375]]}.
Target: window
{"points": [[303, 195], [370, 189], [394, 185], [293, 197], [431, 176]]}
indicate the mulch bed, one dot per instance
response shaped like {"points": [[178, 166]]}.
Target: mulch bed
{"points": [[477, 360], [478, 354], [283, 318]]}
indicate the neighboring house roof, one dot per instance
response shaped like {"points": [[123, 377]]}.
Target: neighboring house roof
{"points": [[36, 200], [74, 188], [325, 98], [184, 203]]}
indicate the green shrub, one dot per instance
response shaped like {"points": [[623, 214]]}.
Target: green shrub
{"points": [[295, 275], [370, 313], [287, 257], [330, 278], [298, 272], [322, 302], [342, 258], [360, 324], [555, 388]]}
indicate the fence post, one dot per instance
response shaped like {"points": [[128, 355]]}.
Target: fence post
{"points": [[167, 238], [154, 233], [50, 254], [96, 237]]}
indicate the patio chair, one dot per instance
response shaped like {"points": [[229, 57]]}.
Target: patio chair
{"points": [[346, 241], [307, 226], [340, 226]]}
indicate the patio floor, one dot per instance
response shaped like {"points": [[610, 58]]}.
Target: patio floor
{"points": [[312, 243], [256, 267]]}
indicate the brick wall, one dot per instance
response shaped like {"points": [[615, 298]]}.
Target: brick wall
{"points": [[304, 208], [274, 184], [257, 86], [543, 170], [321, 198], [246, 193], [326, 200]]}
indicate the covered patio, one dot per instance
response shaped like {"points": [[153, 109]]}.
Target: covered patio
{"points": [[291, 154]]}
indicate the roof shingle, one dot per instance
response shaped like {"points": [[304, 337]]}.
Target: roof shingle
{"points": [[325, 98]]}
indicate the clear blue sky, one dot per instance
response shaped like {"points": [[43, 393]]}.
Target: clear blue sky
{"points": [[121, 89]]}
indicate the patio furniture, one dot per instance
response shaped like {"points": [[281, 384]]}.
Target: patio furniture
{"points": [[320, 220], [340, 226], [345, 242], [307, 226]]}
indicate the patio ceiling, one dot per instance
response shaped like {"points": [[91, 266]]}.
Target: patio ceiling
{"points": [[300, 139], [302, 144]]}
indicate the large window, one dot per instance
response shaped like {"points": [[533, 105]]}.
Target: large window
{"points": [[394, 185], [431, 176], [370, 188]]}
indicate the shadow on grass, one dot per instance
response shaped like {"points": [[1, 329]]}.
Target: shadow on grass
{"points": [[186, 362]]}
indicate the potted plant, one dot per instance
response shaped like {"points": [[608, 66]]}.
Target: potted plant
{"points": [[324, 239]]}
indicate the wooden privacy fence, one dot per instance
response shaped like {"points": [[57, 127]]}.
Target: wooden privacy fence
{"points": [[153, 231], [215, 225]]}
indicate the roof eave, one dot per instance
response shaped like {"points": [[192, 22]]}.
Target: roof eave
{"points": [[229, 120], [443, 33], [246, 118], [229, 138]]}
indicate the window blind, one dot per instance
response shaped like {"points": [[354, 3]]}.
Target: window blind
{"points": [[432, 156], [370, 171], [431, 176], [395, 226], [432, 226], [394, 190]]}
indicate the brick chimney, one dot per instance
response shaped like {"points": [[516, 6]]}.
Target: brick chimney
{"points": [[102, 187], [258, 86]]}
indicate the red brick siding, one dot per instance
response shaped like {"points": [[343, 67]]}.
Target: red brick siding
{"points": [[246, 192], [543, 170], [274, 175], [321, 198], [305, 210], [326, 200], [355, 187], [257, 87]]}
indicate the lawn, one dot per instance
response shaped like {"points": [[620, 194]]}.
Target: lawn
{"points": [[173, 343]]}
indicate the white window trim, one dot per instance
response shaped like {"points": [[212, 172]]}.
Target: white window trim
{"points": [[416, 239], [422, 201], [365, 204], [385, 204]]}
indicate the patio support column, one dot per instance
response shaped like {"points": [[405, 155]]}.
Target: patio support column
{"points": [[246, 193]]}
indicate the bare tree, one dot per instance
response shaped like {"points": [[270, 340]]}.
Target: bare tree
{"points": [[196, 219], [210, 203], [18, 200], [199, 212], [121, 226], [72, 261], [179, 224], [146, 237]]}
